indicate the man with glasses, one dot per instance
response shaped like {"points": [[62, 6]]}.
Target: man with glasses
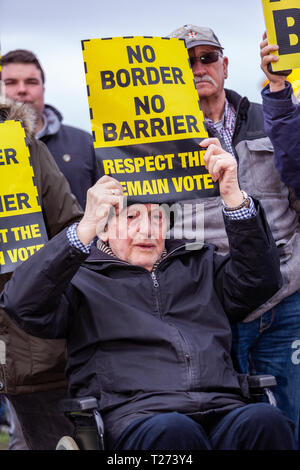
{"points": [[266, 341], [210, 69]]}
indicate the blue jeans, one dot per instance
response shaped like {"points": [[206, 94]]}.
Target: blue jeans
{"points": [[2, 411], [271, 345]]}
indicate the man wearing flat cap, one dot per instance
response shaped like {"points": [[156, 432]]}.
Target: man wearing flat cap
{"points": [[267, 341]]}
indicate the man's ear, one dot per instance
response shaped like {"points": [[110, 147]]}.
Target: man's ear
{"points": [[225, 66]]}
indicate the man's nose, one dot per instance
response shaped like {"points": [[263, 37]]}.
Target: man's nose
{"points": [[21, 88], [144, 226], [199, 68]]}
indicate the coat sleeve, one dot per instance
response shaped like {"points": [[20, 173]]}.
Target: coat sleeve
{"points": [[250, 274], [282, 125], [38, 295], [59, 205]]}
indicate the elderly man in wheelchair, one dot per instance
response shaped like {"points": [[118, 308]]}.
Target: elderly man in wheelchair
{"points": [[147, 321]]}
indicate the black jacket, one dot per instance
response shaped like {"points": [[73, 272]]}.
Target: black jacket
{"points": [[146, 342]]}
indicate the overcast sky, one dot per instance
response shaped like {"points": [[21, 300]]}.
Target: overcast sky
{"points": [[54, 30]]}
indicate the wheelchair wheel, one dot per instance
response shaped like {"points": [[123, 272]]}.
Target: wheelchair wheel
{"points": [[67, 443]]}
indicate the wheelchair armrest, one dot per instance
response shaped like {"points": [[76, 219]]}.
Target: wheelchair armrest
{"points": [[258, 382], [78, 404]]}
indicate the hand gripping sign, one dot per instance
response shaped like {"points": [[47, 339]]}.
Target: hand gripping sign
{"points": [[282, 19], [22, 229], [146, 117]]}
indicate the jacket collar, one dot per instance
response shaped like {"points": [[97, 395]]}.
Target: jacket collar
{"points": [[240, 104], [52, 121]]}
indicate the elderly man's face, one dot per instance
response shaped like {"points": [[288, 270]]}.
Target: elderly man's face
{"points": [[209, 78], [137, 234]]}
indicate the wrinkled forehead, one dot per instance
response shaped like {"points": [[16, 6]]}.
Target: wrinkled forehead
{"points": [[139, 211], [142, 218]]}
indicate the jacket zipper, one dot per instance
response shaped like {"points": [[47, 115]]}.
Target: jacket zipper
{"points": [[187, 357], [154, 279], [156, 283], [186, 354], [156, 293]]}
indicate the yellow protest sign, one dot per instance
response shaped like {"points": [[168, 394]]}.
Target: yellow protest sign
{"points": [[293, 79], [146, 117], [282, 18], [1, 84], [22, 229]]}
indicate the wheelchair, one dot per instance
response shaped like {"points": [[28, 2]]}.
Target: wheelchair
{"points": [[89, 428]]}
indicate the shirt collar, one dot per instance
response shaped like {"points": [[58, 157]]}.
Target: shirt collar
{"points": [[228, 118]]}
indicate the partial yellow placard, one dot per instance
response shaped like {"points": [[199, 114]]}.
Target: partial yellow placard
{"points": [[293, 79], [134, 87], [282, 18], [18, 193], [22, 227]]}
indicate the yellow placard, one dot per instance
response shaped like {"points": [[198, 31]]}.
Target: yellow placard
{"points": [[22, 228], [293, 79], [18, 193], [282, 18], [134, 87]]}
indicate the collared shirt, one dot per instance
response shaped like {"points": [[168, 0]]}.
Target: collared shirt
{"points": [[225, 127], [243, 213]]}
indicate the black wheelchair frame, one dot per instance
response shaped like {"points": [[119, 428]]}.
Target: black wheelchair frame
{"points": [[91, 436]]}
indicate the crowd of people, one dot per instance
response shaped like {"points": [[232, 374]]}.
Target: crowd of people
{"points": [[161, 331]]}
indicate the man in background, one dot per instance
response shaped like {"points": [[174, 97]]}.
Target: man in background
{"points": [[72, 148], [269, 335]]}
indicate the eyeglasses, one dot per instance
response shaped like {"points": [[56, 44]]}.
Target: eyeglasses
{"points": [[207, 58]]}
